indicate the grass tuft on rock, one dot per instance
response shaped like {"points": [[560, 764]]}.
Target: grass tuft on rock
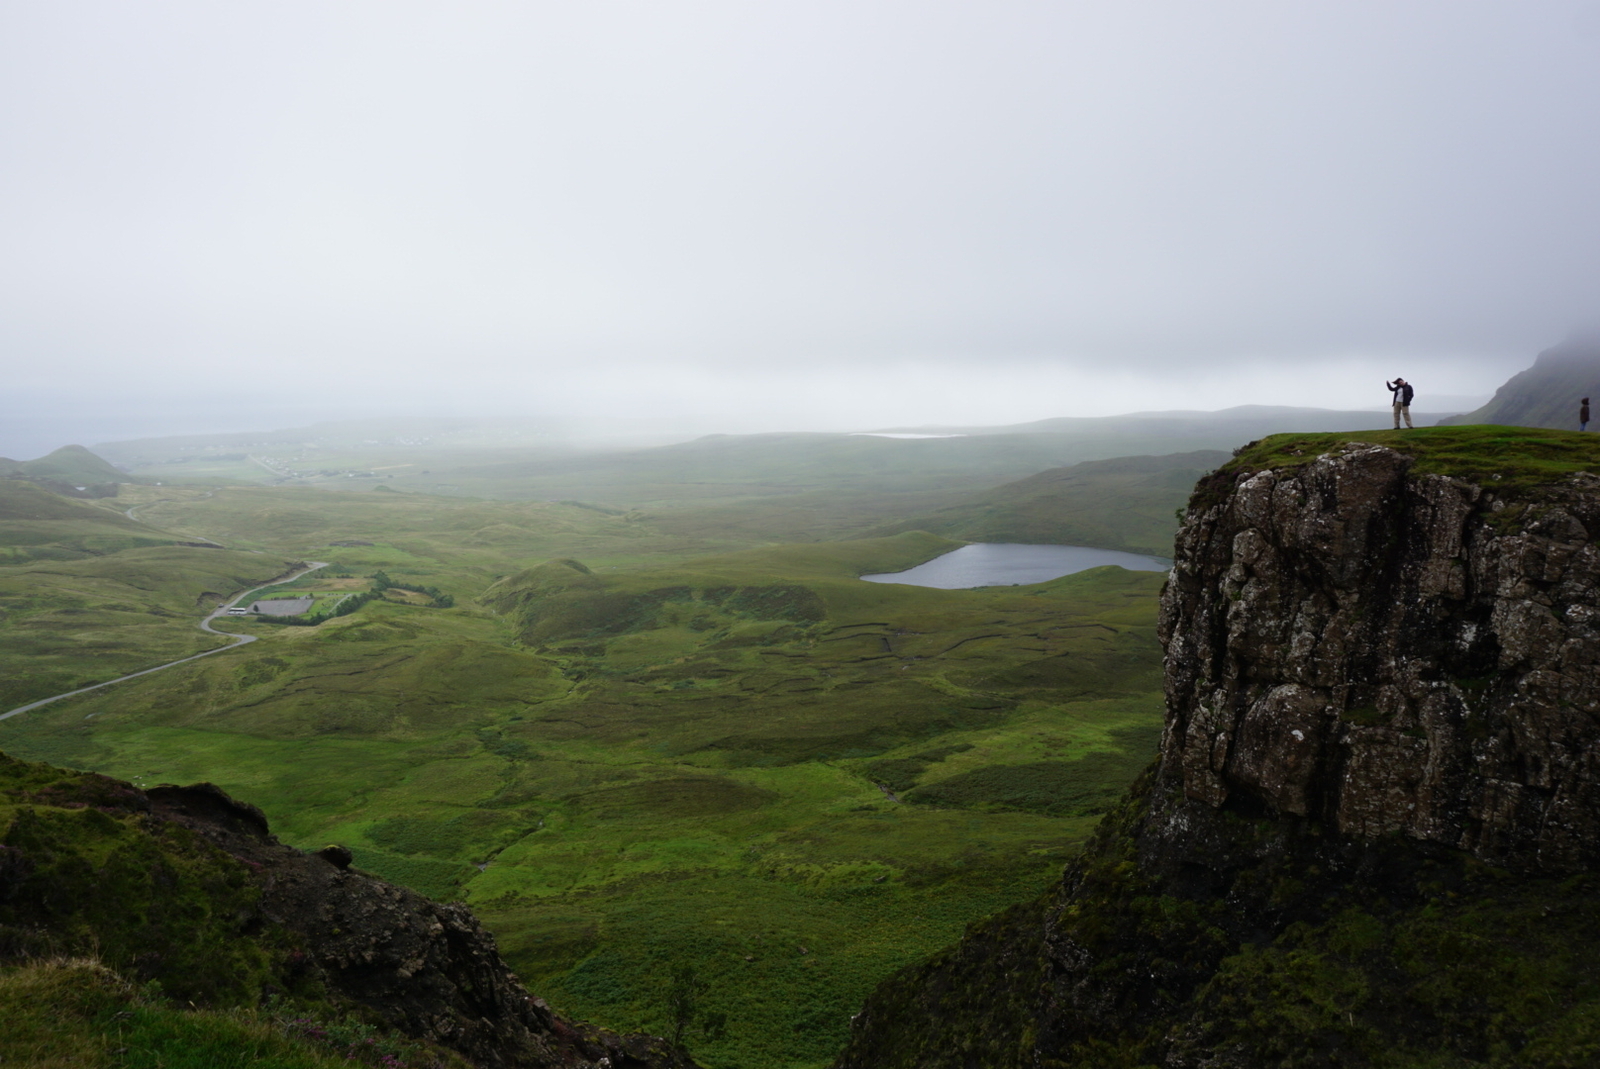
{"points": [[1497, 457]]}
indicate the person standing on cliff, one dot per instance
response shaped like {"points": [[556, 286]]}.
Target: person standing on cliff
{"points": [[1583, 415], [1401, 389]]}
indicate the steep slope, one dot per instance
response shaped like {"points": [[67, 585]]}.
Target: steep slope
{"points": [[1372, 834], [37, 523], [1546, 394], [185, 886]]}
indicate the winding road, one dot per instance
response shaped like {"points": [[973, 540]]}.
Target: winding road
{"points": [[129, 513], [205, 625]]}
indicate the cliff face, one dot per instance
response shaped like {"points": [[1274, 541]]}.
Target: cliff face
{"points": [[1369, 835], [187, 886], [1390, 653]]}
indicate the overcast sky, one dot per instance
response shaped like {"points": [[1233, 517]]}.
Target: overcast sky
{"points": [[781, 214]]}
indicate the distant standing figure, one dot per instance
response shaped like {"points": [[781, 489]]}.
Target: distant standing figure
{"points": [[1401, 389], [1583, 415]]}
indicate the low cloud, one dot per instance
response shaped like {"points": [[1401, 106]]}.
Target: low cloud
{"points": [[820, 214]]}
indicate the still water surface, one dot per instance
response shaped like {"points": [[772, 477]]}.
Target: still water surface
{"points": [[1005, 563]]}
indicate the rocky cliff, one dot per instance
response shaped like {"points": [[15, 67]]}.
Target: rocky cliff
{"points": [[1392, 653], [1370, 835], [188, 887]]}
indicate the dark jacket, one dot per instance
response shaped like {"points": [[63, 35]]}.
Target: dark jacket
{"points": [[1402, 393]]}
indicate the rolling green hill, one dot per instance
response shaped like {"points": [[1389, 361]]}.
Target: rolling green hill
{"points": [[732, 468], [87, 594], [66, 624], [1128, 503], [38, 524], [71, 470], [751, 762]]}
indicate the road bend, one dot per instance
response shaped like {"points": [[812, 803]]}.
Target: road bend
{"points": [[205, 625]]}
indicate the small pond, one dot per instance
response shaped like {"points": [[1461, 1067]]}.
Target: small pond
{"points": [[1009, 563]]}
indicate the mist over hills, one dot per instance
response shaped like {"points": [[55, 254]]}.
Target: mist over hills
{"points": [[511, 460], [1256, 420], [1126, 503], [1548, 393], [71, 470]]}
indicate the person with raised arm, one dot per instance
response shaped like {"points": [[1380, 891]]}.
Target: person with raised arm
{"points": [[1402, 392]]}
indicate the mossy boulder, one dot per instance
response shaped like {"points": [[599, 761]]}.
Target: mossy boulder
{"points": [[186, 887]]}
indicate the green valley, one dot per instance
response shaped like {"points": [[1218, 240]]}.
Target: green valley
{"points": [[630, 745]]}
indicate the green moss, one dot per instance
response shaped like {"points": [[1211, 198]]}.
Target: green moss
{"points": [[77, 1013], [1364, 715], [155, 900]]}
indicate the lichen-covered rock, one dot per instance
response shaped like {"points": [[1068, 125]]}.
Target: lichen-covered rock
{"points": [[1392, 654]]}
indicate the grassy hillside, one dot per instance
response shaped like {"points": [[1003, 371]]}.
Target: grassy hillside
{"points": [[169, 929], [1128, 503], [1546, 394], [67, 624], [725, 469], [87, 594], [38, 524], [750, 762], [77, 1013], [170, 921], [71, 470]]}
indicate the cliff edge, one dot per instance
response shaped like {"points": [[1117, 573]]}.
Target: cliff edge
{"points": [[1371, 834]]}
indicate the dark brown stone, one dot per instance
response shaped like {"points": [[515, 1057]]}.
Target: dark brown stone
{"points": [[1348, 642], [337, 856]]}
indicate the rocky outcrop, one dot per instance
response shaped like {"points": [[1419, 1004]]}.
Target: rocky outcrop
{"points": [[188, 886], [1393, 654], [1372, 833], [427, 968]]}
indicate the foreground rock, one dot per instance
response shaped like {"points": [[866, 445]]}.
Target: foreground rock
{"points": [[1371, 835], [187, 886]]}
